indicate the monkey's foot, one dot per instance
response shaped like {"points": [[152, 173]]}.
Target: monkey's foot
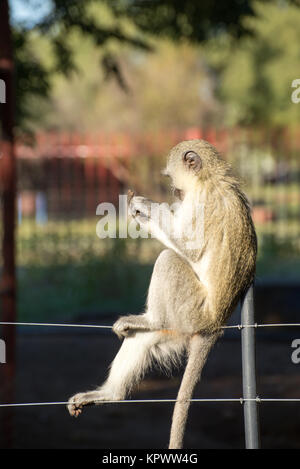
{"points": [[78, 401], [128, 325], [123, 327]]}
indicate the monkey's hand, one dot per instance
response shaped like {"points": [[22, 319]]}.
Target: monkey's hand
{"points": [[140, 209], [149, 215], [128, 325]]}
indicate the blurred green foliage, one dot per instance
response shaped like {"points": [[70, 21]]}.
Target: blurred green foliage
{"points": [[250, 46], [278, 258], [157, 95], [256, 74], [111, 81], [32, 80], [97, 286], [193, 19], [65, 270]]}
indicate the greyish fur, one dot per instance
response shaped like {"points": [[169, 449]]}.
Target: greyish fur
{"points": [[193, 289]]}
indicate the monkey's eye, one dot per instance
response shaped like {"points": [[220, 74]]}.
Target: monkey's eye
{"points": [[192, 159]]}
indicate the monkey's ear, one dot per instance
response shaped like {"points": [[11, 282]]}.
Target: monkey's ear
{"points": [[192, 160]]}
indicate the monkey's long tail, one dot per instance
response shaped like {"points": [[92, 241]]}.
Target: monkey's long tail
{"points": [[199, 348]]}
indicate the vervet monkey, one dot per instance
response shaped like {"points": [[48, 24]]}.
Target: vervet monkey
{"points": [[196, 282]]}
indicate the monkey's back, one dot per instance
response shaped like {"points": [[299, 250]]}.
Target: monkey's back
{"points": [[231, 247]]}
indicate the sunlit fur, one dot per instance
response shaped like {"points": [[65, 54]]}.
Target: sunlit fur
{"points": [[225, 264]]}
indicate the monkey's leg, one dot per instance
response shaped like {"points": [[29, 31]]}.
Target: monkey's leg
{"points": [[200, 346], [177, 298], [126, 370]]}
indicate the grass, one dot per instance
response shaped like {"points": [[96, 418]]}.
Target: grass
{"points": [[66, 291], [65, 270]]}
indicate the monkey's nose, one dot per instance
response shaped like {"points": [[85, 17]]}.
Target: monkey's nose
{"points": [[164, 172]]}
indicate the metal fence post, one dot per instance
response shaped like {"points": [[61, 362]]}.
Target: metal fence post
{"points": [[249, 372]]}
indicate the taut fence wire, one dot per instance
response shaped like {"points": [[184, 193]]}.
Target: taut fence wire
{"points": [[239, 400], [98, 326], [250, 399]]}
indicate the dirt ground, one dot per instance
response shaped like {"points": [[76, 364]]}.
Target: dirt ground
{"points": [[52, 366]]}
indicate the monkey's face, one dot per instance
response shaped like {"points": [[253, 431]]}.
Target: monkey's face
{"points": [[190, 164]]}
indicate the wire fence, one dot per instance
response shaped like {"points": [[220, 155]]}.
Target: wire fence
{"points": [[240, 400], [250, 399], [234, 326]]}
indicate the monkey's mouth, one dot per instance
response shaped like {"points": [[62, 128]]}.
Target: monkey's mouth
{"points": [[179, 193], [138, 213]]}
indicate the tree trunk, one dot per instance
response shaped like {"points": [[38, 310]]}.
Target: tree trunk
{"points": [[8, 194]]}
